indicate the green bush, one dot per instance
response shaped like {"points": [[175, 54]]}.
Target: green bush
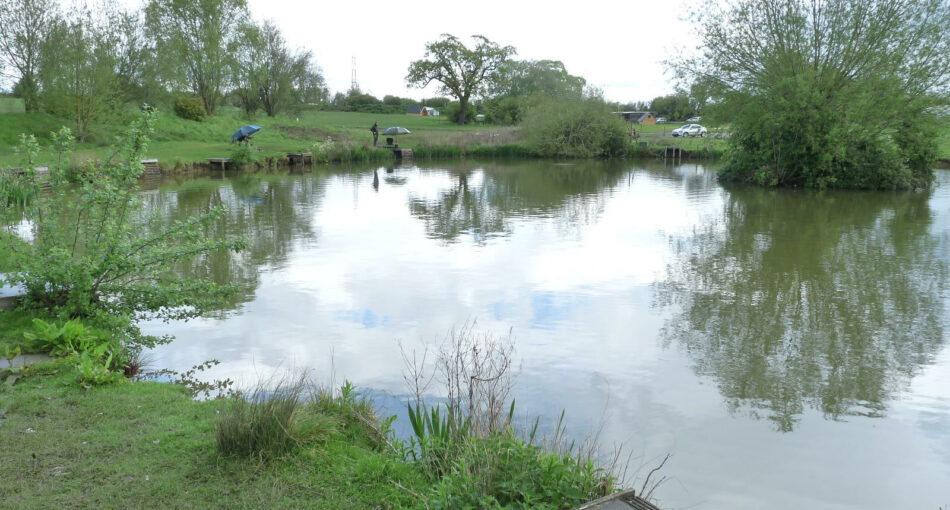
{"points": [[574, 128], [243, 153], [191, 108]]}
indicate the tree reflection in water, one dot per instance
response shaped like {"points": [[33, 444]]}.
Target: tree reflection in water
{"points": [[830, 301], [270, 211], [484, 199]]}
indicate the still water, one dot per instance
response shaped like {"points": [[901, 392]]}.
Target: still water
{"points": [[788, 348]]}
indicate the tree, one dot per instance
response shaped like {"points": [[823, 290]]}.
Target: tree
{"points": [[462, 72], [196, 39], [79, 71], [826, 93], [531, 77], [520, 84], [24, 25]]}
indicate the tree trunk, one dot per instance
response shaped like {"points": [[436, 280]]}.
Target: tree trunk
{"points": [[463, 103]]}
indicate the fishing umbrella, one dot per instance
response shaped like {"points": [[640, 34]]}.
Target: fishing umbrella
{"points": [[396, 130], [244, 132]]}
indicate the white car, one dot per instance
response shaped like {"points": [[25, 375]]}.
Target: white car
{"points": [[690, 130]]}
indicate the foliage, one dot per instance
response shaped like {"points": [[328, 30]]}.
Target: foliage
{"points": [[243, 153], [574, 128], [78, 71], [674, 107], [518, 85], [72, 336], [14, 191], [826, 94], [97, 357], [190, 108], [322, 149], [270, 75], [24, 24], [97, 254], [197, 39], [462, 72]]}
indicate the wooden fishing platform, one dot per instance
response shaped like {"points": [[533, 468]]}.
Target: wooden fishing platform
{"points": [[672, 152], [222, 162], [626, 500], [151, 168], [300, 159], [402, 153]]}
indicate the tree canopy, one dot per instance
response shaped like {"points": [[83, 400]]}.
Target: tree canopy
{"points": [[826, 93], [462, 72]]}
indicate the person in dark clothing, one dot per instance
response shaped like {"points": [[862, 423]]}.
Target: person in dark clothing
{"points": [[375, 130]]}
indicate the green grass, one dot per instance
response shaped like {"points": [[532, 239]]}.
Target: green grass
{"points": [[187, 141], [149, 445], [943, 142], [144, 444]]}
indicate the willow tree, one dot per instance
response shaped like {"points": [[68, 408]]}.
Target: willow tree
{"points": [[826, 93], [463, 72]]}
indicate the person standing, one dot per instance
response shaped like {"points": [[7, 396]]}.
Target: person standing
{"points": [[375, 130]]}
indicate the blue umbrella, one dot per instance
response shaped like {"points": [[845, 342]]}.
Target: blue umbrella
{"points": [[244, 132]]}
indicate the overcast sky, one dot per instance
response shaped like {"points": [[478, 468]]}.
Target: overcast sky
{"points": [[615, 45]]}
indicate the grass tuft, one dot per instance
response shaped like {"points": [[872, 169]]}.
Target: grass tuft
{"points": [[261, 424]]}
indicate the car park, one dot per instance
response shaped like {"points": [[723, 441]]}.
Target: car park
{"points": [[689, 130]]}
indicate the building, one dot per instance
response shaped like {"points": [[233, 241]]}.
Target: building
{"points": [[422, 111], [642, 118]]}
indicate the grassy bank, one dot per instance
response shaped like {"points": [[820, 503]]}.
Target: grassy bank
{"points": [[75, 433], [180, 140], [150, 444]]}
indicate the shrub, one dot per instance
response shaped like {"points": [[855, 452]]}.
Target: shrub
{"points": [[191, 108], [95, 255], [574, 128], [243, 153]]}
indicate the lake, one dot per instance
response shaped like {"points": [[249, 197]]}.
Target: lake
{"points": [[787, 347]]}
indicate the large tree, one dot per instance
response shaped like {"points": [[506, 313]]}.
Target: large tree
{"points": [[462, 72], [826, 93], [24, 25], [196, 38], [80, 70]]}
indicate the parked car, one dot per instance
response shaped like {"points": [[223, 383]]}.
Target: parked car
{"points": [[661, 120], [694, 119], [690, 130]]}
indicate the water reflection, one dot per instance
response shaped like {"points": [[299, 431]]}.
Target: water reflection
{"points": [[271, 212], [794, 300], [480, 201]]}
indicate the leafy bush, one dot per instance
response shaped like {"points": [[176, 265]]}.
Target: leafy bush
{"points": [[96, 255], [243, 153], [574, 128], [191, 108], [322, 150]]}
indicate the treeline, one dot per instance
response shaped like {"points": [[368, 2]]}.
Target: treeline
{"points": [[88, 65]]}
